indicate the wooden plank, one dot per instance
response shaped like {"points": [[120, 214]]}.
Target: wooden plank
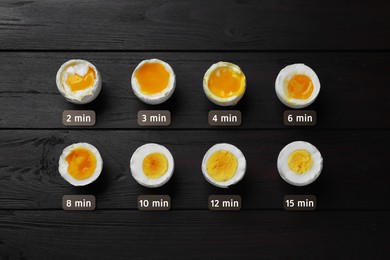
{"points": [[353, 176], [194, 25], [354, 89], [193, 235]]}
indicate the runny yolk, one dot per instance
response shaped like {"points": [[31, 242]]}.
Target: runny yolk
{"points": [[300, 161], [82, 163], [224, 82], [153, 78], [222, 165], [300, 87], [77, 82], [155, 165]]}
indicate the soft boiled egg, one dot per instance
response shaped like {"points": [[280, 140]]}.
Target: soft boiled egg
{"points": [[297, 86], [79, 81], [224, 83], [152, 165], [223, 165], [299, 163], [80, 164], [153, 81]]}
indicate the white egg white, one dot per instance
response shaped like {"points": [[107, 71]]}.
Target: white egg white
{"points": [[158, 98], [79, 67], [283, 78], [241, 167], [229, 101], [292, 177], [63, 164], [137, 159]]}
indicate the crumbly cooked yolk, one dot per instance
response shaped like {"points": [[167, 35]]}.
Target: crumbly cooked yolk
{"points": [[155, 165], [82, 163], [300, 87], [300, 161], [77, 82], [222, 165], [224, 82], [153, 78]]}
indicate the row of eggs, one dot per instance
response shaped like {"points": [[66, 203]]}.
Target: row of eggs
{"points": [[152, 165], [153, 81]]}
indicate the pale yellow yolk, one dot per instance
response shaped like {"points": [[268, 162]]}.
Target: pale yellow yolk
{"points": [[153, 78], [300, 87], [300, 161], [82, 163], [222, 165], [155, 165], [77, 82], [224, 82]]}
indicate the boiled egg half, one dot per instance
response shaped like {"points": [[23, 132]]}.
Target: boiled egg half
{"points": [[80, 164], [153, 81], [79, 81], [300, 163], [224, 83], [297, 86], [223, 165], [152, 165]]}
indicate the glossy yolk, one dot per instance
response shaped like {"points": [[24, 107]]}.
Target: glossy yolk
{"points": [[82, 163], [153, 78], [222, 165], [224, 82], [300, 161], [300, 87], [77, 82], [155, 165]]}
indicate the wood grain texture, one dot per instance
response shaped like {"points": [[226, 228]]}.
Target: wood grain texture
{"points": [[194, 25], [353, 176], [193, 235], [354, 89]]}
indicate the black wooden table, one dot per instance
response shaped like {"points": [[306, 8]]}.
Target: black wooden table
{"points": [[347, 43]]}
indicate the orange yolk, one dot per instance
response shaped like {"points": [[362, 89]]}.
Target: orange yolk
{"points": [[155, 165], [153, 78], [300, 87], [82, 163], [77, 82], [224, 82]]}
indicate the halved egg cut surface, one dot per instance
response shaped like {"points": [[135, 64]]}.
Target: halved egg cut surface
{"points": [[155, 165], [153, 78], [77, 82], [300, 161], [82, 163], [225, 82], [222, 165], [300, 86]]}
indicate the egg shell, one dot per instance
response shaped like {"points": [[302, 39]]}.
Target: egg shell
{"points": [[230, 101], [283, 78], [241, 167], [159, 97], [63, 165], [294, 178], [137, 159], [83, 96]]}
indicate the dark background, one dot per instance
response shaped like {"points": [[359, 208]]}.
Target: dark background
{"points": [[347, 43]]}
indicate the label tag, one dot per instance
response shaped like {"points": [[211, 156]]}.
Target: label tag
{"points": [[79, 118], [154, 202], [225, 117], [154, 118], [300, 117], [300, 202], [79, 202], [225, 202]]}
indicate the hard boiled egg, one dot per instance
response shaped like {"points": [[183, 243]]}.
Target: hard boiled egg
{"points": [[297, 86], [80, 164], [224, 83], [152, 165], [223, 165], [79, 81], [153, 81], [300, 163]]}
